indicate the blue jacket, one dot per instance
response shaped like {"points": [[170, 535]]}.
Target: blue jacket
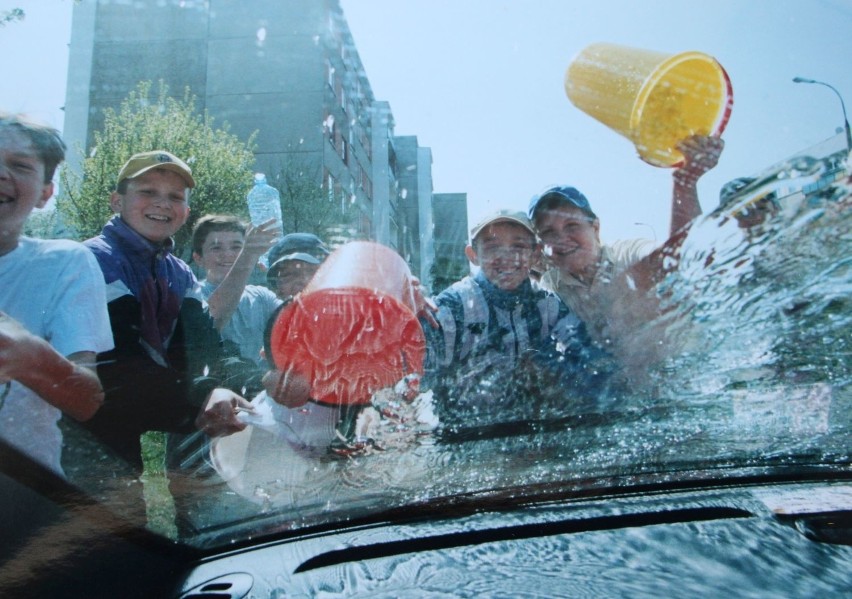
{"points": [[492, 345]]}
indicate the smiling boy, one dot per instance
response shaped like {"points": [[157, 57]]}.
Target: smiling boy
{"points": [[162, 374], [53, 318], [491, 320], [228, 250]]}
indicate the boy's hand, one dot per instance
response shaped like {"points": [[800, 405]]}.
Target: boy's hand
{"points": [[218, 417], [15, 341], [259, 239], [290, 389], [700, 154], [425, 308]]}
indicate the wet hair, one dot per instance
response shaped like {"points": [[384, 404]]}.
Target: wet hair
{"points": [[46, 140], [215, 222]]}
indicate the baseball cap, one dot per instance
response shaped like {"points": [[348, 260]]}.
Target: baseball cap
{"points": [[271, 274], [731, 190], [564, 193], [305, 243], [143, 162], [511, 216]]}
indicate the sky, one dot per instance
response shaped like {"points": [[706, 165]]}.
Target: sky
{"points": [[480, 82]]}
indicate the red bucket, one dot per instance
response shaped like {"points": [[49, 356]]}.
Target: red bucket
{"points": [[353, 329]]}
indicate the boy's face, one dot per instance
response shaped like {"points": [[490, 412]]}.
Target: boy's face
{"points": [[155, 205], [504, 251], [291, 276], [571, 240], [22, 185], [218, 253]]}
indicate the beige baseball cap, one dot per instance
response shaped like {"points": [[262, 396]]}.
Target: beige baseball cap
{"points": [[143, 162], [512, 216]]}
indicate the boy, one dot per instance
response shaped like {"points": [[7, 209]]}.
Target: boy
{"points": [[53, 318], [293, 261], [164, 372], [228, 250], [491, 323], [581, 269]]}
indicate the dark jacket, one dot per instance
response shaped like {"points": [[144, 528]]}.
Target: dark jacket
{"points": [[495, 348], [167, 355]]}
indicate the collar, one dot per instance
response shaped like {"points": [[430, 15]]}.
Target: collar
{"points": [[603, 273], [499, 297], [116, 230]]}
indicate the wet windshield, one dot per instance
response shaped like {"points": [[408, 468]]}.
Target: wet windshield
{"points": [[511, 247]]}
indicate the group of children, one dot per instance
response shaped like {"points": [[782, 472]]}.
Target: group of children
{"points": [[119, 334]]}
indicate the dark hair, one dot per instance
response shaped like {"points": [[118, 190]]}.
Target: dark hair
{"points": [[47, 142], [214, 222]]}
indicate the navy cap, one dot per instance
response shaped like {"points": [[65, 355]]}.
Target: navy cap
{"points": [[563, 193], [731, 189], [291, 243]]}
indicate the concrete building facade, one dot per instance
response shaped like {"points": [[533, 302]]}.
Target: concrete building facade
{"points": [[289, 71]]}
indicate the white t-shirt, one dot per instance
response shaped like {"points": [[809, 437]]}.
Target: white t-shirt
{"points": [[56, 290], [248, 322]]}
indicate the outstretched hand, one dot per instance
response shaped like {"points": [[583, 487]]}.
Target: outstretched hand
{"points": [[700, 154], [218, 417], [424, 307], [290, 389], [260, 239]]}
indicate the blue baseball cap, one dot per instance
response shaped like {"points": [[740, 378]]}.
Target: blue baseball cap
{"points": [[562, 193], [306, 243]]}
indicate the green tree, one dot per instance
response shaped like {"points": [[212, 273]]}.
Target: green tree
{"points": [[221, 163], [305, 206], [41, 224]]}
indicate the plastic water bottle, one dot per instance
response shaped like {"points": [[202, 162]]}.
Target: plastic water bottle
{"points": [[264, 203]]}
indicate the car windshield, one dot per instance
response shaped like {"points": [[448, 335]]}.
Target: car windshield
{"points": [[514, 249]]}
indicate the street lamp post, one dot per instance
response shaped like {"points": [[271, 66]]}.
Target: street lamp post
{"points": [[842, 105]]}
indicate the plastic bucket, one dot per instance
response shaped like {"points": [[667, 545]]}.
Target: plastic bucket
{"points": [[353, 329], [655, 100]]}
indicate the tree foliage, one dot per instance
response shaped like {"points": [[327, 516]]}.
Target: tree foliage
{"points": [[41, 224], [221, 163], [306, 206]]}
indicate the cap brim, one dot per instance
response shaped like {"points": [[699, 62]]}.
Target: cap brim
{"points": [[169, 166], [298, 256], [500, 219]]}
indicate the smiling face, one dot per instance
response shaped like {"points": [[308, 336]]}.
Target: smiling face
{"points": [[155, 204], [22, 185], [571, 240], [218, 253], [504, 251]]}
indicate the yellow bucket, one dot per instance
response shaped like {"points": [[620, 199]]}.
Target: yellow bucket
{"points": [[655, 100]]}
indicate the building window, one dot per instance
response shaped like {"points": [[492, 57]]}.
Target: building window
{"points": [[366, 184], [328, 126], [329, 74], [329, 186]]}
